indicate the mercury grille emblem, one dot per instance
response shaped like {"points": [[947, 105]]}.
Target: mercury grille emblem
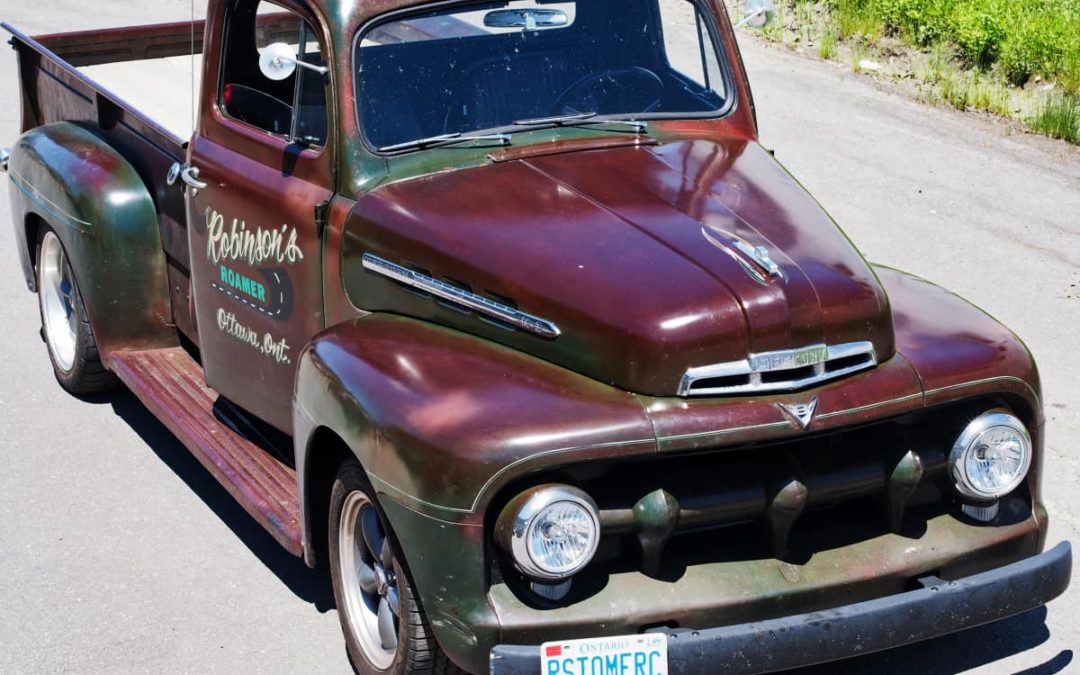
{"points": [[800, 413]]}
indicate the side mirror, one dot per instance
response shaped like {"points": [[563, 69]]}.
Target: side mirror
{"points": [[758, 14], [278, 61], [529, 19]]}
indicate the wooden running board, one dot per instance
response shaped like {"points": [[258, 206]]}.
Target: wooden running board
{"points": [[171, 384]]}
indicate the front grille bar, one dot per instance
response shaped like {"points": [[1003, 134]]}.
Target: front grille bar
{"points": [[777, 502]]}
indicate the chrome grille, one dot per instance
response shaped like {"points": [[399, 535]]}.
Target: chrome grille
{"points": [[786, 370]]}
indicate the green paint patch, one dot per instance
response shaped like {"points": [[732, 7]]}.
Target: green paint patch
{"points": [[238, 282]]}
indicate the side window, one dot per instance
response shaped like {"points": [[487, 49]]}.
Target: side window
{"points": [[689, 45], [294, 107]]}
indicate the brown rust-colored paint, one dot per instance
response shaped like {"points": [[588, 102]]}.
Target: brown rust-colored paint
{"points": [[598, 233], [611, 245], [257, 183], [459, 416]]}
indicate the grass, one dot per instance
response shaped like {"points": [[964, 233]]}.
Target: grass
{"points": [[1059, 117], [938, 65], [965, 91], [858, 53], [827, 44], [1014, 58], [1024, 38], [852, 21]]}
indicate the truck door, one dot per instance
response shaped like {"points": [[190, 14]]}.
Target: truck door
{"points": [[259, 172]]}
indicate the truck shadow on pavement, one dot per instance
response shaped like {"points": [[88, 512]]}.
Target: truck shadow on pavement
{"points": [[310, 585], [942, 656]]}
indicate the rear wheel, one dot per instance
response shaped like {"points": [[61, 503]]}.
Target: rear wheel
{"points": [[64, 323], [385, 628]]}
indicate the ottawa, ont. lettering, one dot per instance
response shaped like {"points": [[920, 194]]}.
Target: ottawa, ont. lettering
{"points": [[266, 344]]}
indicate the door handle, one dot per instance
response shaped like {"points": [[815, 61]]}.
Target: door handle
{"points": [[188, 174]]}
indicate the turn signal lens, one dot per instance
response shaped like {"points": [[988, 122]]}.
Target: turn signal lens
{"points": [[991, 457]]}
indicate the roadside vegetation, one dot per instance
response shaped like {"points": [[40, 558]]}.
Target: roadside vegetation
{"points": [[1018, 59]]}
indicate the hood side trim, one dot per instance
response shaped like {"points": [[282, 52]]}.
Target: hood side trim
{"points": [[459, 296]]}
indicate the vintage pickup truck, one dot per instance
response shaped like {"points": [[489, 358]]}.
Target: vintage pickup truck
{"points": [[501, 311]]}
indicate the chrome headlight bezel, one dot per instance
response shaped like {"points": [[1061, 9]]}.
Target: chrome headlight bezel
{"points": [[967, 441], [520, 516]]}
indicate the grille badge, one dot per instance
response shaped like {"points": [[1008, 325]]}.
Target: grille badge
{"points": [[801, 413]]}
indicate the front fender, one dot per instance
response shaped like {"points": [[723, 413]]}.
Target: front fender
{"points": [[103, 214], [439, 418], [959, 351]]}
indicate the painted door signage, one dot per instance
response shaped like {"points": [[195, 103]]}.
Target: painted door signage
{"points": [[256, 268]]}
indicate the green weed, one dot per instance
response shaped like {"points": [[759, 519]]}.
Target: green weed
{"points": [[974, 48], [1028, 38], [991, 97], [858, 53], [938, 64], [856, 18], [956, 92], [828, 43], [1059, 117]]}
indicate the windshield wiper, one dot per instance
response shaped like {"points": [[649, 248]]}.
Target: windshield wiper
{"points": [[580, 120], [444, 140]]}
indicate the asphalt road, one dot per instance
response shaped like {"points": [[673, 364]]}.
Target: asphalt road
{"points": [[118, 553]]}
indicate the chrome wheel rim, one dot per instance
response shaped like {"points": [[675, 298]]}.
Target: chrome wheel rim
{"points": [[368, 580], [58, 309]]}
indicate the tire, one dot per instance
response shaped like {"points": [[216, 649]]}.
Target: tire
{"points": [[357, 525], [65, 326]]}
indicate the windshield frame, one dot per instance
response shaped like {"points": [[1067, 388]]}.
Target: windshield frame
{"points": [[703, 7]]}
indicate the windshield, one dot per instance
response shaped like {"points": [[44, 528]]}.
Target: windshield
{"points": [[477, 67]]}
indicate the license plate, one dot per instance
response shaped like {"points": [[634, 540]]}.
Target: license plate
{"points": [[626, 655]]}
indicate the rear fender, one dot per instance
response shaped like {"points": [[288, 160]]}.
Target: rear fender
{"points": [[66, 177]]}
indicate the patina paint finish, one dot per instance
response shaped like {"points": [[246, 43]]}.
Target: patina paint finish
{"points": [[496, 421], [470, 617], [256, 248], [608, 236], [476, 415], [440, 418], [726, 593], [68, 179], [54, 91], [613, 246]]}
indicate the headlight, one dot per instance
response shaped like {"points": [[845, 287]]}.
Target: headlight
{"points": [[551, 531], [991, 457]]}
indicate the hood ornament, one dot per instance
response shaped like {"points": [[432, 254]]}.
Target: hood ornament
{"points": [[754, 260], [800, 413]]}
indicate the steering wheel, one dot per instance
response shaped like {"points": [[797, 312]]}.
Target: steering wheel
{"points": [[617, 90]]}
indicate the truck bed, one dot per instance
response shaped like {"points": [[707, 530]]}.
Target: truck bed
{"points": [[85, 78], [140, 84]]}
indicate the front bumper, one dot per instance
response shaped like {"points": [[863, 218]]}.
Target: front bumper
{"points": [[939, 608]]}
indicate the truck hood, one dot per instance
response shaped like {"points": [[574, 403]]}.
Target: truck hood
{"points": [[650, 260]]}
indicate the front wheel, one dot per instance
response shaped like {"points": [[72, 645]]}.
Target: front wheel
{"points": [[65, 325], [385, 629]]}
